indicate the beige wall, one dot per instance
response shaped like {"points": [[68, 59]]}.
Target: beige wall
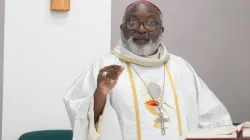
{"points": [[214, 36]]}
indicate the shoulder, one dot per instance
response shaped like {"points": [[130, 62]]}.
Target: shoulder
{"points": [[105, 59], [106, 56], [179, 61], [180, 67], [100, 61], [183, 72]]}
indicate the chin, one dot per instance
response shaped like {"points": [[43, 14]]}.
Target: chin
{"points": [[140, 49]]}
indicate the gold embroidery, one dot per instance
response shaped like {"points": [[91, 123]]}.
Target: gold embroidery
{"points": [[135, 102], [151, 106], [143, 63], [176, 99], [99, 128]]}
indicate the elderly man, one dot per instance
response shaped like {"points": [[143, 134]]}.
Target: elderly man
{"points": [[140, 91]]}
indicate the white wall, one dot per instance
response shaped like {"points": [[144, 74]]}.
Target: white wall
{"points": [[44, 53], [214, 36], [2, 5]]}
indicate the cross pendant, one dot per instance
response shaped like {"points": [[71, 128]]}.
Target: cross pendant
{"points": [[161, 120]]}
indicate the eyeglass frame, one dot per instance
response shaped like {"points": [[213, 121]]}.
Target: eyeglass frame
{"points": [[142, 23]]}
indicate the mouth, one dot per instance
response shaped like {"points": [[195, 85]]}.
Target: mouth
{"points": [[141, 41]]}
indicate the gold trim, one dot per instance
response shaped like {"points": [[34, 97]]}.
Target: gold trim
{"points": [[143, 63], [176, 99], [138, 125], [99, 127]]}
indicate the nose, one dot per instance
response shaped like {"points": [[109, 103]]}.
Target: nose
{"points": [[141, 29]]}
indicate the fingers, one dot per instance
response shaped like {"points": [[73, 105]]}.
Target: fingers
{"points": [[105, 80], [112, 72], [119, 69]]}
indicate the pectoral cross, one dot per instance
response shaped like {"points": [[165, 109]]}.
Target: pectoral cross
{"points": [[161, 120]]}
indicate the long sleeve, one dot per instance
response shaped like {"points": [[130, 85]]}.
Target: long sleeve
{"points": [[211, 111], [79, 104]]}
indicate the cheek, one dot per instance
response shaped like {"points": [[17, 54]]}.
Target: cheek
{"points": [[128, 33], [154, 35]]}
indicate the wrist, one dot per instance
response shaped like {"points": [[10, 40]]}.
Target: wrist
{"points": [[100, 93]]}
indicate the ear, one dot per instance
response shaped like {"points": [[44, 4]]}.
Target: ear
{"points": [[121, 26], [162, 29]]}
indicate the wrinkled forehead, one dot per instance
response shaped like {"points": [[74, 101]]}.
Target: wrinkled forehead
{"points": [[142, 9]]}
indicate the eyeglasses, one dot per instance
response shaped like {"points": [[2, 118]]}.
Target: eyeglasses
{"points": [[149, 25]]}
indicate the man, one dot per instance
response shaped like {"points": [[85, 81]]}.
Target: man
{"points": [[140, 91]]}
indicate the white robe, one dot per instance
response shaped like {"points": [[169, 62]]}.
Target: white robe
{"points": [[127, 115]]}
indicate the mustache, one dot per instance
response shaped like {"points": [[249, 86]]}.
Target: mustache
{"points": [[137, 36]]}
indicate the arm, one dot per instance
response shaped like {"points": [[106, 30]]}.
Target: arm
{"points": [[99, 103], [104, 84], [86, 98], [211, 111], [78, 100]]}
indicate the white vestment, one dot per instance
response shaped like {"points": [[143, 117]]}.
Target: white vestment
{"points": [[129, 113]]}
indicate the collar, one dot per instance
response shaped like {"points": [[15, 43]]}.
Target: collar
{"points": [[156, 55], [124, 54]]}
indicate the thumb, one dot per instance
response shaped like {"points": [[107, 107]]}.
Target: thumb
{"points": [[119, 71]]}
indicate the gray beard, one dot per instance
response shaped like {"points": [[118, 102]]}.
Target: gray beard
{"points": [[142, 50]]}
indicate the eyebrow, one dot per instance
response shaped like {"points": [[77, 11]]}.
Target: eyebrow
{"points": [[135, 16]]}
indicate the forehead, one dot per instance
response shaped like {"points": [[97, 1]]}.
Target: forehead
{"points": [[142, 10]]}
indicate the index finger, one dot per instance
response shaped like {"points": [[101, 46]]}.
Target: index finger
{"points": [[117, 67]]}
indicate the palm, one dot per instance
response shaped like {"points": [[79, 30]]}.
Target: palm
{"points": [[109, 80], [107, 86]]}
